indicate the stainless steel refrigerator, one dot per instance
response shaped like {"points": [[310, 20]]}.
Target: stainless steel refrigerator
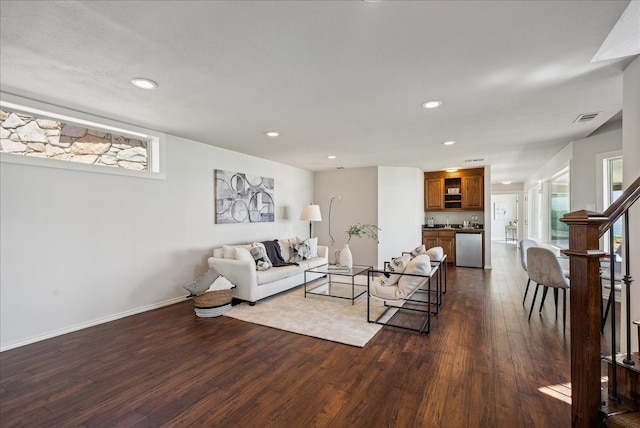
{"points": [[469, 250]]}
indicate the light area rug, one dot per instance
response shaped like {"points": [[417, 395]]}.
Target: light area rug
{"points": [[318, 316]]}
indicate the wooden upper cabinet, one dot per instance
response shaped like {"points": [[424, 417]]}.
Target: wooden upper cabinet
{"points": [[433, 194], [462, 190], [472, 193]]}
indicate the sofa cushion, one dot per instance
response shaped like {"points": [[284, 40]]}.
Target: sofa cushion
{"points": [[277, 273], [381, 291], [311, 263]]}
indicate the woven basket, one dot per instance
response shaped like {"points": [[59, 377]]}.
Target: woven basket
{"points": [[212, 312], [213, 299]]}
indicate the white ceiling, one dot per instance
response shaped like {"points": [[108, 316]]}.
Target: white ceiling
{"points": [[344, 78]]}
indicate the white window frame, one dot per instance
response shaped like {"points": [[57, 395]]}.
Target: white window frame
{"points": [[535, 211], [604, 186], [155, 148], [566, 170]]}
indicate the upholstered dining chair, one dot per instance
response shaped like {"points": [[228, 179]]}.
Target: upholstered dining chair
{"points": [[544, 269], [525, 244]]}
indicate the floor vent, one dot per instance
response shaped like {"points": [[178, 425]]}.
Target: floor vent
{"points": [[585, 117]]}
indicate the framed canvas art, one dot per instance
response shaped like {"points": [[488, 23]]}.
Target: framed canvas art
{"points": [[243, 198]]}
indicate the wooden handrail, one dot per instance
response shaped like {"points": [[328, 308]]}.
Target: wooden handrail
{"points": [[621, 205], [585, 230]]}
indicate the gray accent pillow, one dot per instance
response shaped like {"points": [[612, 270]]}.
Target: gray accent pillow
{"points": [[203, 283], [260, 256]]}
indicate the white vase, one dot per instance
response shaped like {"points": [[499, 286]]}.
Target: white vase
{"points": [[346, 259]]}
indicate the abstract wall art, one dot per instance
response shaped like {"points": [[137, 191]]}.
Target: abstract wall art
{"points": [[243, 198]]}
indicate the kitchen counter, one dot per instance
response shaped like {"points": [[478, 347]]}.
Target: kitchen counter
{"points": [[471, 243], [455, 228]]}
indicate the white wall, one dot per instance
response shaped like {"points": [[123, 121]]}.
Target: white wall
{"points": [[631, 171], [584, 179], [80, 248], [400, 211]]}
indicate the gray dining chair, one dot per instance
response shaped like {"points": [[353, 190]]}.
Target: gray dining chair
{"points": [[525, 244], [544, 269]]}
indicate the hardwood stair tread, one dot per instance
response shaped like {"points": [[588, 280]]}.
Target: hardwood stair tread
{"points": [[635, 357]]}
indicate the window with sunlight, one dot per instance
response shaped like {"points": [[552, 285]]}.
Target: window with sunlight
{"points": [[535, 210], [612, 170], [559, 206]]}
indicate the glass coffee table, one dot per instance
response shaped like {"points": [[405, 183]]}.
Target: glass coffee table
{"points": [[327, 285]]}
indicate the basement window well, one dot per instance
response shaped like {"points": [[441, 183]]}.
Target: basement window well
{"points": [[66, 139]]}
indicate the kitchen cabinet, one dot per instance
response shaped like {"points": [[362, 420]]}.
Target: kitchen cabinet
{"points": [[473, 191], [441, 238], [462, 190], [433, 194]]}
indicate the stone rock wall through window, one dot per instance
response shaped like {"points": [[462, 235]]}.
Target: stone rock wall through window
{"points": [[26, 135]]}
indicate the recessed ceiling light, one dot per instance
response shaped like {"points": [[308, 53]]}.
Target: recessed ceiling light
{"points": [[142, 83], [506, 182], [331, 157], [272, 133], [432, 104], [449, 143], [451, 169]]}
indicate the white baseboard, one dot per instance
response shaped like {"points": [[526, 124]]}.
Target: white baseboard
{"points": [[93, 323]]}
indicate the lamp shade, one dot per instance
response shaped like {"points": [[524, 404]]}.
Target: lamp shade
{"points": [[311, 213]]}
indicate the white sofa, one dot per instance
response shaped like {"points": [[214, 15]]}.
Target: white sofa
{"points": [[237, 265]]}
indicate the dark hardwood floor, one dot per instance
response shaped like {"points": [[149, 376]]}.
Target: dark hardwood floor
{"points": [[481, 366]]}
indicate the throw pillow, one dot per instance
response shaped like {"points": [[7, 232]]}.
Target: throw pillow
{"points": [[302, 251], [419, 265], [201, 285], [259, 255], [435, 253], [221, 283], [394, 269], [285, 249], [313, 247], [244, 254], [293, 243], [228, 252], [418, 250]]}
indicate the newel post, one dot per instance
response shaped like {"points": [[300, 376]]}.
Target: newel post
{"points": [[584, 264]]}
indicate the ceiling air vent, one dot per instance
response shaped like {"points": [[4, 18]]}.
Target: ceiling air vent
{"points": [[585, 117]]}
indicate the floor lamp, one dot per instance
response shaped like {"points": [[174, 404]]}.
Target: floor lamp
{"points": [[311, 213]]}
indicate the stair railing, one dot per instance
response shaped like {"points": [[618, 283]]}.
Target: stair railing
{"points": [[585, 230]]}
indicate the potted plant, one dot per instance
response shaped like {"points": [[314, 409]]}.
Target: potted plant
{"points": [[363, 230], [359, 230]]}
